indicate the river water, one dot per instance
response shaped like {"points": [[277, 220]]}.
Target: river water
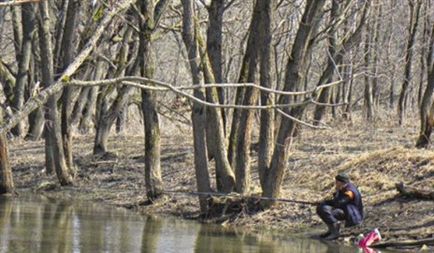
{"points": [[33, 224]]}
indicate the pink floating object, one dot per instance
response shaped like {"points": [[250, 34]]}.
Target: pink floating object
{"points": [[369, 239]]}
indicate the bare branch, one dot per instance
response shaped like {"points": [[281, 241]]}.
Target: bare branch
{"points": [[129, 80], [137, 82], [300, 121]]}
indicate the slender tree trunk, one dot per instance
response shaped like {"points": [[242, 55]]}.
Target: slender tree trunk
{"points": [[224, 175], [68, 51], [52, 123], [96, 104], [121, 120], [28, 23], [423, 67], [108, 116], [294, 67], [403, 96], [427, 106], [6, 179], [214, 46], [266, 129], [153, 180], [36, 118], [242, 122], [325, 93], [198, 111], [375, 57], [368, 97], [17, 29], [77, 112], [247, 74]]}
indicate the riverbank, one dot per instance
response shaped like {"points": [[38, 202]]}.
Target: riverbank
{"points": [[376, 157]]}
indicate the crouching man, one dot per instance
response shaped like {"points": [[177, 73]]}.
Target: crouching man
{"points": [[346, 205]]}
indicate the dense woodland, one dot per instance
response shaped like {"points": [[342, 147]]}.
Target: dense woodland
{"points": [[233, 70]]}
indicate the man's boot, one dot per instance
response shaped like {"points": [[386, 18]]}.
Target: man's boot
{"points": [[334, 231]]}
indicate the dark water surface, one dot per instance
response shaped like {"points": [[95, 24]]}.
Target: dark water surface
{"points": [[33, 224]]}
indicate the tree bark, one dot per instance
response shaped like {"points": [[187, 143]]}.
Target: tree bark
{"points": [[68, 51], [198, 111], [153, 180], [6, 179], [266, 129], [107, 117], [368, 96], [214, 46], [414, 20], [247, 74], [294, 67], [224, 175], [427, 105], [53, 137], [28, 23], [324, 96], [244, 120]]}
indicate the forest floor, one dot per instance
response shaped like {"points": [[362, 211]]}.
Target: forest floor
{"points": [[375, 156]]}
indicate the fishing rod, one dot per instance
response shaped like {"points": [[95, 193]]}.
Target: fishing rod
{"points": [[312, 203]]}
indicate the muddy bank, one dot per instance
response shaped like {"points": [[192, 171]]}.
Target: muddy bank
{"points": [[375, 157]]}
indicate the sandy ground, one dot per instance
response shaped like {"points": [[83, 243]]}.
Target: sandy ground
{"points": [[376, 157]]}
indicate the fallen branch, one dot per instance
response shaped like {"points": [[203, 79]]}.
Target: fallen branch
{"points": [[17, 2], [412, 192], [429, 241]]}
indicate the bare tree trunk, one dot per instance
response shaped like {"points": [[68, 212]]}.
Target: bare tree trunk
{"points": [[214, 46], [6, 179], [121, 120], [17, 29], [325, 93], [375, 60], [28, 23], [242, 122], [52, 123], [224, 175], [68, 51], [266, 130], [77, 112], [427, 106], [247, 74], [153, 180], [96, 104], [295, 65], [423, 67], [36, 118], [414, 20], [198, 111], [368, 99], [108, 116]]}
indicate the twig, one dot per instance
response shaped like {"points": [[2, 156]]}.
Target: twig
{"points": [[242, 196], [300, 121]]}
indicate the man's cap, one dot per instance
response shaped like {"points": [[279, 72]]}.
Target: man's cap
{"points": [[343, 177]]}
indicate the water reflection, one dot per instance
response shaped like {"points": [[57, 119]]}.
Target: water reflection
{"points": [[30, 224]]}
